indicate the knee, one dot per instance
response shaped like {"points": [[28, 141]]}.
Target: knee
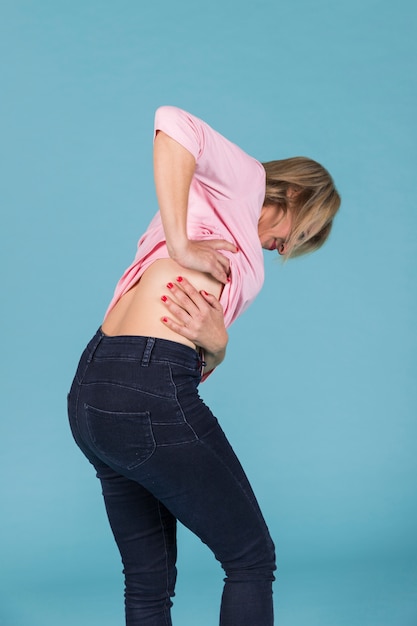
{"points": [[256, 562]]}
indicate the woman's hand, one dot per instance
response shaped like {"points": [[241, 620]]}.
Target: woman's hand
{"points": [[204, 256], [198, 317]]}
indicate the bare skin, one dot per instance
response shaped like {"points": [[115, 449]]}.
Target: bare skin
{"points": [[185, 316], [189, 314], [188, 311]]}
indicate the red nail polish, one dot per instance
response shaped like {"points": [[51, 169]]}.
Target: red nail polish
{"points": [[228, 279], [164, 298], [205, 292], [179, 279], [164, 319], [170, 285]]}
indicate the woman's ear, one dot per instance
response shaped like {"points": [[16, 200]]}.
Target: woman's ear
{"points": [[293, 191]]}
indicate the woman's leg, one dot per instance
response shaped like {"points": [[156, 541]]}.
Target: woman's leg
{"points": [[144, 530], [203, 485], [161, 455], [145, 533], [209, 493]]}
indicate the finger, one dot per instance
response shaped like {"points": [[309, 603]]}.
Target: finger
{"points": [[221, 276], [222, 244], [215, 262], [211, 300], [177, 328], [184, 311], [190, 291], [218, 266], [224, 262]]}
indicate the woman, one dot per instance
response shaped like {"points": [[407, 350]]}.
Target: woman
{"points": [[134, 407]]}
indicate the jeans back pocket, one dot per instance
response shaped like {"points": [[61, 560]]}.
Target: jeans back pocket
{"points": [[121, 438]]}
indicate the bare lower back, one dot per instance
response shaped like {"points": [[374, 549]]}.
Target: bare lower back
{"points": [[140, 310]]}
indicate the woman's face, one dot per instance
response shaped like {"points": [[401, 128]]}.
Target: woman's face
{"points": [[274, 228]]}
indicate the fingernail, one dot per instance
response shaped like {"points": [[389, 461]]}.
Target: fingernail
{"points": [[228, 279], [179, 279], [164, 319], [170, 285], [205, 292], [164, 298]]}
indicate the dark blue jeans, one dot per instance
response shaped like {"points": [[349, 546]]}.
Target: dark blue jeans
{"points": [[161, 456]]}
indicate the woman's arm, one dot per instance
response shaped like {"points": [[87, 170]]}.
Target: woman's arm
{"points": [[174, 168], [199, 318]]}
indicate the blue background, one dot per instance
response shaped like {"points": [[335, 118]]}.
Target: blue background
{"points": [[318, 393]]}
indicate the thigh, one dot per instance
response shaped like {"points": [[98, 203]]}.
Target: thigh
{"points": [[161, 435], [145, 533], [203, 485]]}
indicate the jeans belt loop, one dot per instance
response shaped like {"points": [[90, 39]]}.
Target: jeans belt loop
{"points": [[150, 342], [97, 340]]}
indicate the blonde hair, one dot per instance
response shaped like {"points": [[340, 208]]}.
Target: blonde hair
{"points": [[306, 189]]}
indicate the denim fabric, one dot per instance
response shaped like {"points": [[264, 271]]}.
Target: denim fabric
{"points": [[161, 456]]}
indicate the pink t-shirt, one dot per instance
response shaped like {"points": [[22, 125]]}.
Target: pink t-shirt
{"points": [[225, 201]]}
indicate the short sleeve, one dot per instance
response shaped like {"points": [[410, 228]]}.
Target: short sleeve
{"points": [[181, 126], [223, 168]]}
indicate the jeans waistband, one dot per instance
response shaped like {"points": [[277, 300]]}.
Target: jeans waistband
{"points": [[144, 349]]}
